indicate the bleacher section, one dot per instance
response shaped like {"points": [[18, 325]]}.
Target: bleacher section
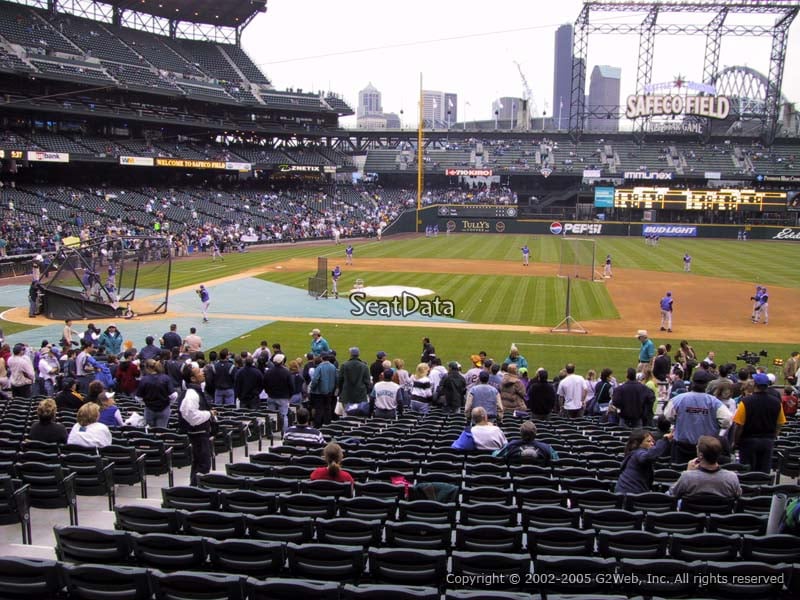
{"points": [[256, 527], [67, 48]]}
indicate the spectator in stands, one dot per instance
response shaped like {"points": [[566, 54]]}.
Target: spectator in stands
{"points": [[46, 429], [95, 389], [48, 370], [111, 339], [278, 385], [333, 456], [196, 419], [528, 448], [703, 474], [87, 431], [661, 364], [515, 358], [353, 381], [633, 402], [695, 414], [386, 393], [541, 395], [302, 433], [69, 398], [171, 339], [193, 343], [128, 373], [91, 335], [452, 388], [641, 452], [512, 392], [155, 391], [20, 372], [376, 368], [572, 393], [110, 415], [757, 422], [150, 350], [647, 350], [248, 385], [487, 436], [421, 389], [321, 390], [485, 396]]}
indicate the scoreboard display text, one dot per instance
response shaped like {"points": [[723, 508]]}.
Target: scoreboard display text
{"points": [[723, 199]]}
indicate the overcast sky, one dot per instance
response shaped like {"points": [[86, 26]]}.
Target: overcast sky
{"points": [[469, 48]]}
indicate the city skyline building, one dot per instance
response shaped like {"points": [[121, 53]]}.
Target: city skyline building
{"points": [[562, 77], [369, 101], [603, 102], [435, 106]]}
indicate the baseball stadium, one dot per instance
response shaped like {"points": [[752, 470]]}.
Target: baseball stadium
{"points": [[144, 153]]}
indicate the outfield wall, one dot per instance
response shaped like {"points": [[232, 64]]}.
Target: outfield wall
{"points": [[430, 217]]}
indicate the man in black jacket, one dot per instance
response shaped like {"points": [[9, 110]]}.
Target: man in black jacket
{"points": [[634, 402], [155, 390], [224, 371], [248, 385], [279, 387]]}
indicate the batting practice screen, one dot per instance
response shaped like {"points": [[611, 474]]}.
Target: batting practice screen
{"points": [[318, 284], [577, 258]]}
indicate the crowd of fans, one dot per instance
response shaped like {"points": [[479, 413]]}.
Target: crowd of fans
{"points": [[738, 408]]}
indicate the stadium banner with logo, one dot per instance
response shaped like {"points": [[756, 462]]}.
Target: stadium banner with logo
{"points": [[787, 233], [670, 230], [238, 166], [793, 200], [54, 157], [136, 161], [712, 175], [649, 175], [468, 172], [185, 163]]}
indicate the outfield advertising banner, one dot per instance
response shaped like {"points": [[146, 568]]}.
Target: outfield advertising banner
{"points": [[788, 233], [670, 230], [136, 161], [56, 157]]}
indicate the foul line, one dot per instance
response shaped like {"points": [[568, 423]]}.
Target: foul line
{"points": [[574, 346]]}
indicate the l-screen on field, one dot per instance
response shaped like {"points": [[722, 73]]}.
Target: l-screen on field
{"points": [[497, 300]]}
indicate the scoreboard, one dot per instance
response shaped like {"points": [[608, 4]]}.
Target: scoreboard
{"points": [[723, 199]]}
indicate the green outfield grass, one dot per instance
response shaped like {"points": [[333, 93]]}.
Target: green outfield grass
{"points": [[500, 299], [549, 351], [767, 262]]}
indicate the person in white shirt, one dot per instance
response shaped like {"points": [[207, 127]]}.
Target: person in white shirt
{"points": [[572, 392], [196, 419], [438, 371], [385, 394], [487, 436], [87, 431], [48, 369]]}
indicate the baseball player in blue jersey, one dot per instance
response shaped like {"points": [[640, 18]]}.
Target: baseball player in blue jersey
{"points": [[205, 300], [666, 312], [756, 303], [335, 275], [762, 311], [348, 255], [526, 255]]}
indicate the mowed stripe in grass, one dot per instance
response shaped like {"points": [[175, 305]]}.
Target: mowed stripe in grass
{"points": [[501, 299]]}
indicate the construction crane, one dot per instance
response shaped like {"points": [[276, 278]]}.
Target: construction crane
{"points": [[529, 107]]}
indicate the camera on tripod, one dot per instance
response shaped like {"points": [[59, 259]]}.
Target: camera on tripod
{"points": [[751, 358]]}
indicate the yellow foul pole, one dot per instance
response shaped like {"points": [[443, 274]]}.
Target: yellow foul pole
{"points": [[420, 163]]}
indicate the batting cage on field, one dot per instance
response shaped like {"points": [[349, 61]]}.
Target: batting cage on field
{"points": [[577, 259], [318, 284], [107, 277]]}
